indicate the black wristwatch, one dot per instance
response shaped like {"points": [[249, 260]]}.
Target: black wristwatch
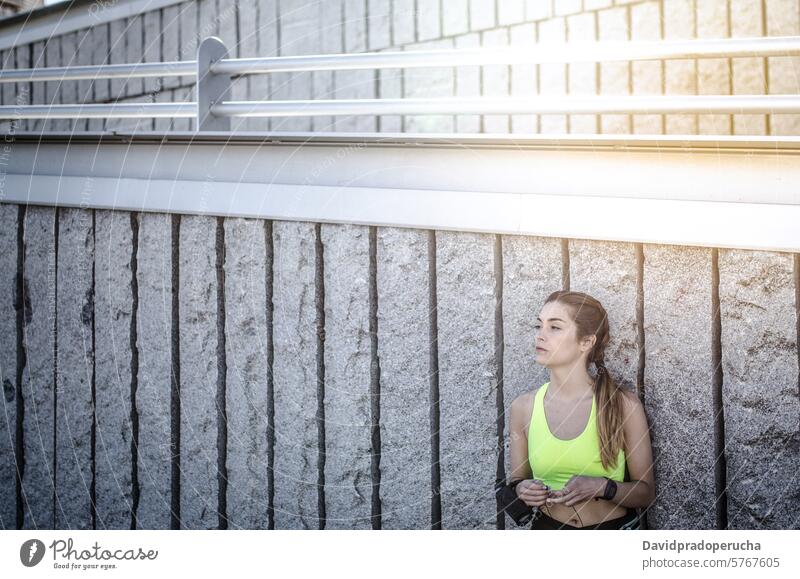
{"points": [[610, 490]]}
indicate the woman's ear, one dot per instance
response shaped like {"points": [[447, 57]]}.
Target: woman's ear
{"points": [[589, 341]]}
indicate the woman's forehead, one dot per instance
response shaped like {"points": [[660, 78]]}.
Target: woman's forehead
{"points": [[554, 310]]}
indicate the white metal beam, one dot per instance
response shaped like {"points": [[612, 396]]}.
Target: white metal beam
{"points": [[739, 193]]}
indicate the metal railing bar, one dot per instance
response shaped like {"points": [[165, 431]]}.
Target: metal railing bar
{"points": [[92, 72], [698, 104], [677, 104], [527, 53], [100, 111]]}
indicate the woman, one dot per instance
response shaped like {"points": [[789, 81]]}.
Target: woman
{"points": [[573, 438]]}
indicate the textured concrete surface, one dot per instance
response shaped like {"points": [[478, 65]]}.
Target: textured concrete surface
{"points": [[404, 350], [297, 18], [467, 384], [348, 413], [606, 270], [199, 373], [531, 272], [429, 82], [246, 344], [646, 74], [74, 369], [113, 358], [9, 219], [678, 378], [154, 324], [748, 74], [614, 77], [552, 76], [295, 370], [760, 390], [38, 376]]}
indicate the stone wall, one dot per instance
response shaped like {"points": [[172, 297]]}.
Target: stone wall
{"points": [[294, 27], [205, 372]]}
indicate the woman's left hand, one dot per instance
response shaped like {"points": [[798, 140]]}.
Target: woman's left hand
{"points": [[578, 489]]}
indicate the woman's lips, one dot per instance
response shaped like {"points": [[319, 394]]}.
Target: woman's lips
{"points": [[540, 350]]}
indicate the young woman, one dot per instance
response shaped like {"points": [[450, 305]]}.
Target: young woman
{"points": [[574, 438]]}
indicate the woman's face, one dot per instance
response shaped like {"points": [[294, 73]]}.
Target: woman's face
{"points": [[556, 342]]}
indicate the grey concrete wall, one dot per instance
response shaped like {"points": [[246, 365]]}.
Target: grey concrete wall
{"points": [[294, 27], [166, 371]]}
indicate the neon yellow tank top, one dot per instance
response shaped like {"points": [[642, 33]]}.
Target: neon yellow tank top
{"points": [[555, 461]]}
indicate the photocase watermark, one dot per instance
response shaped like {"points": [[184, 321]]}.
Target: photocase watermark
{"points": [[331, 160], [22, 99], [67, 556], [99, 5], [31, 552]]}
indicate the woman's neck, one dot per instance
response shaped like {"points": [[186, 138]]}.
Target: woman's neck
{"points": [[570, 383]]}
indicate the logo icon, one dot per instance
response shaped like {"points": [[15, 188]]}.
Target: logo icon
{"points": [[31, 552]]}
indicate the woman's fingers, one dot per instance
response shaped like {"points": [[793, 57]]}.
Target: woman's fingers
{"points": [[559, 496]]}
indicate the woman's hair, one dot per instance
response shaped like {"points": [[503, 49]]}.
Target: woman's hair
{"points": [[590, 318]]}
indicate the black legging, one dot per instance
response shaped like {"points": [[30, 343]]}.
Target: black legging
{"points": [[544, 522]]}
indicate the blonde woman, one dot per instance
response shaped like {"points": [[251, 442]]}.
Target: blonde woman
{"points": [[574, 438]]}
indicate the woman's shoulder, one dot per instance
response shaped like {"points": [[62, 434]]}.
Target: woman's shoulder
{"points": [[631, 401], [524, 401]]}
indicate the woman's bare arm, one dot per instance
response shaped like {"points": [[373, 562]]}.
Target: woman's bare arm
{"points": [[520, 467], [640, 491]]}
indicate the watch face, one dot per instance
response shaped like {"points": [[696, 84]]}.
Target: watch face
{"points": [[611, 489]]}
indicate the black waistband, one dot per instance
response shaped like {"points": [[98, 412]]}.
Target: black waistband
{"points": [[545, 521]]}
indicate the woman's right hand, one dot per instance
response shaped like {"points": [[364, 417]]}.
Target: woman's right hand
{"points": [[532, 492]]}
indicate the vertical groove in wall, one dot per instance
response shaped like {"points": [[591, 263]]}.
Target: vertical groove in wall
{"points": [[640, 337], [597, 71], [696, 64], [720, 464], [238, 29], [729, 64], [628, 18], [765, 61], [270, 376], [175, 394], [375, 380], [565, 281], [433, 373], [93, 489], [499, 350], [54, 333], [21, 306], [108, 60], [222, 374], [270, 77], [797, 312], [481, 84], [640, 344], [134, 369], [662, 68], [538, 78], [319, 279], [567, 117]]}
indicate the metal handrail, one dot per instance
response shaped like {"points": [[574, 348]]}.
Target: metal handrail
{"points": [[101, 71], [527, 53], [214, 73], [702, 104]]}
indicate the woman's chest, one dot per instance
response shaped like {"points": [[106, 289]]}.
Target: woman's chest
{"points": [[567, 422]]}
